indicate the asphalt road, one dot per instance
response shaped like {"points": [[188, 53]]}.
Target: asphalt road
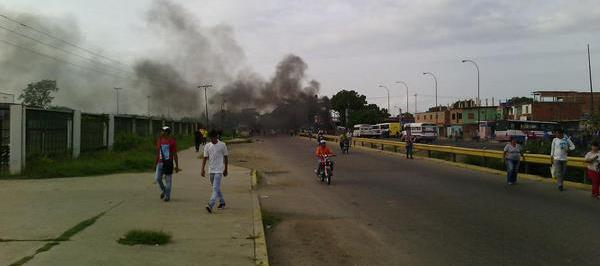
{"points": [[386, 210]]}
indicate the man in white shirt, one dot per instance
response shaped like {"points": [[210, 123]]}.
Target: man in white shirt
{"points": [[558, 156], [216, 154]]}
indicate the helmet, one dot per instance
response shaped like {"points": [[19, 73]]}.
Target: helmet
{"points": [[322, 142]]}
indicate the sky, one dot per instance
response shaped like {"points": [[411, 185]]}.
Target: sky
{"points": [[520, 45]]}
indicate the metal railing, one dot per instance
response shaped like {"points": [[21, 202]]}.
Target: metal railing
{"points": [[577, 162]]}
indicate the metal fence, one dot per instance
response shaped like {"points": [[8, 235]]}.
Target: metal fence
{"points": [[142, 127], [94, 132], [4, 139], [48, 132], [123, 125]]}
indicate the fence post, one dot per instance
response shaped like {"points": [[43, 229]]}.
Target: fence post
{"points": [[395, 148], [111, 131], [429, 153], [150, 127], [17, 137], [382, 147], [76, 133], [454, 157]]}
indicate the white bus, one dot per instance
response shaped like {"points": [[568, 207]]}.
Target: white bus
{"points": [[365, 131], [422, 132]]}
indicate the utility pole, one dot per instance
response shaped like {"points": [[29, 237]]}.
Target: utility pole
{"points": [[206, 86], [591, 86], [148, 104], [478, 102], [415, 103], [117, 95], [223, 113], [347, 114]]}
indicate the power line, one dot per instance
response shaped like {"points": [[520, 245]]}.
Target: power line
{"points": [[62, 40], [59, 48]]}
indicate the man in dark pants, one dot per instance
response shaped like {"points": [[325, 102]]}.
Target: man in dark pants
{"points": [[409, 144], [198, 139]]}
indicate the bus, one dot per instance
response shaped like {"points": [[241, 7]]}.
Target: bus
{"points": [[521, 130], [363, 130], [422, 132], [389, 129]]}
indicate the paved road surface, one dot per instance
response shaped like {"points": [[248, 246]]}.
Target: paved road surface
{"points": [[385, 210]]}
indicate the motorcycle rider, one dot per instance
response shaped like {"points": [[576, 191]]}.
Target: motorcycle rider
{"points": [[322, 150], [320, 136], [344, 140]]}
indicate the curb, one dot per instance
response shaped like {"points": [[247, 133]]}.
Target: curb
{"points": [[238, 141], [567, 184], [261, 256]]}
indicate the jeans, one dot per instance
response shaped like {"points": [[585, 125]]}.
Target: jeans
{"points": [[560, 171], [409, 151], [166, 189], [512, 169], [215, 180]]}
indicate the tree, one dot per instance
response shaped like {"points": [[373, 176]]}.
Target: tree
{"points": [[516, 101], [347, 99], [39, 94]]}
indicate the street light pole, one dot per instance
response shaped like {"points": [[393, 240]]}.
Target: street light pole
{"points": [[148, 104], [591, 86], [117, 93], [478, 99], [436, 97], [405, 85], [388, 97], [206, 86]]}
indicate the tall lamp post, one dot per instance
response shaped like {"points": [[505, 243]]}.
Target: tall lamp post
{"points": [[436, 96], [388, 96], [117, 96], [405, 85], [478, 100], [206, 86]]}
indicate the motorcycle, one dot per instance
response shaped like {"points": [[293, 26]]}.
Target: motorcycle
{"points": [[345, 146], [325, 172]]}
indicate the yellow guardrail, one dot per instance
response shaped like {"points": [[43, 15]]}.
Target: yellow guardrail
{"points": [[577, 162]]}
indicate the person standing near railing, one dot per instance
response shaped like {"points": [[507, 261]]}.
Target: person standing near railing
{"points": [[512, 158], [593, 172], [410, 140], [561, 145]]}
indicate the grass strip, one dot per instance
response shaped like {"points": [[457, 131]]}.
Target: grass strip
{"points": [[145, 237]]}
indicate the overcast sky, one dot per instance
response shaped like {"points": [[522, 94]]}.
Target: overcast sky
{"points": [[520, 45]]}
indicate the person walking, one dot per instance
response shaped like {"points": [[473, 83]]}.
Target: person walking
{"points": [[561, 145], [512, 158], [410, 140], [593, 170], [166, 162], [204, 136], [198, 139], [216, 154]]}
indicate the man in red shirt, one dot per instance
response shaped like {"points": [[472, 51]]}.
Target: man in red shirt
{"points": [[166, 162]]}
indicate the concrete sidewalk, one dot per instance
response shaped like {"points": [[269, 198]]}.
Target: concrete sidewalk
{"points": [[36, 210]]}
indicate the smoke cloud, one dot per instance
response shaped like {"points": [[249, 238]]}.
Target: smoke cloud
{"points": [[164, 81]]}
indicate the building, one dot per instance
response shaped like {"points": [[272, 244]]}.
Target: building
{"points": [[439, 116], [555, 106]]}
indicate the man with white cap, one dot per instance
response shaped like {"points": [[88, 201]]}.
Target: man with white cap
{"points": [[166, 162]]}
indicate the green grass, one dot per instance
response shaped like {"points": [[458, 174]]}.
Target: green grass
{"points": [[269, 219], [145, 237], [130, 154]]}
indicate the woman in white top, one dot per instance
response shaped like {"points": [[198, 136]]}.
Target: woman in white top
{"points": [[593, 159]]}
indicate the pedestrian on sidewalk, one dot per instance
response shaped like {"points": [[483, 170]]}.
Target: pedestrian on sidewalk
{"points": [[410, 140], [198, 139], [166, 162], [512, 158], [561, 145], [204, 136], [593, 170], [215, 152]]}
